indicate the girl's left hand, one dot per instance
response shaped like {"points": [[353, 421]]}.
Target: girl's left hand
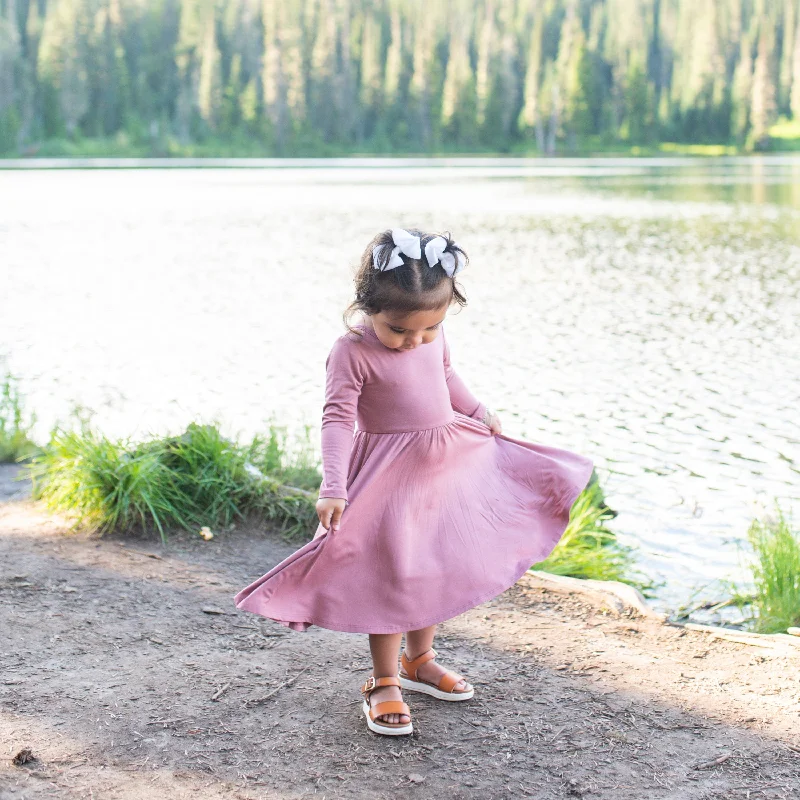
{"points": [[492, 421]]}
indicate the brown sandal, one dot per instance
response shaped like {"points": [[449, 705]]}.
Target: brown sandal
{"points": [[386, 707], [443, 690]]}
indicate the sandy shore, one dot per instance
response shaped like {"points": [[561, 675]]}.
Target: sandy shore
{"points": [[127, 671]]}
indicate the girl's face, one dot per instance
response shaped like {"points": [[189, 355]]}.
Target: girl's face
{"points": [[407, 332]]}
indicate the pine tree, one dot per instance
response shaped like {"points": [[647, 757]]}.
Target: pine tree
{"points": [[394, 57], [459, 111], [194, 16], [762, 108], [742, 89], [112, 79], [9, 59], [371, 76], [420, 87], [323, 92], [530, 115], [482, 77], [794, 95], [273, 78], [63, 66], [788, 29]]}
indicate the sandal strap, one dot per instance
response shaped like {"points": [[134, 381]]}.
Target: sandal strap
{"points": [[373, 683], [449, 680], [411, 666], [389, 707]]}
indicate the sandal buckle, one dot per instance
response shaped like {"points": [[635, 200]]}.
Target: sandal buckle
{"points": [[369, 685]]}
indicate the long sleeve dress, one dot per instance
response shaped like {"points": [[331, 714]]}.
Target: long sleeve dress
{"points": [[441, 514]]}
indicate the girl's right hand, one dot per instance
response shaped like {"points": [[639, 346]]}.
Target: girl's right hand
{"points": [[329, 511]]}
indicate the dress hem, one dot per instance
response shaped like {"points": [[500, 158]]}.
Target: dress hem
{"points": [[402, 629]]}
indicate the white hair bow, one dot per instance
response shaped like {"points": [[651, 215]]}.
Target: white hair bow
{"points": [[434, 252], [405, 242]]}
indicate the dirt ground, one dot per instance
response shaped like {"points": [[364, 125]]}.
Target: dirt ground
{"points": [[128, 673]]}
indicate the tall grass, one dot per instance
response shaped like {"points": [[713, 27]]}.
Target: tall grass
{"points": [[197, 479], [588, 549], [291, 460], [103, 486], [775, 567], [15, 427]]}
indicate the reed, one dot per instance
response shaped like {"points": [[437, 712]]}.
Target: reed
{"points": [[774, 564], [15, 425]]}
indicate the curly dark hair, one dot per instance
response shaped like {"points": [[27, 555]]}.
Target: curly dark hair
{"points": [[412, 287]]}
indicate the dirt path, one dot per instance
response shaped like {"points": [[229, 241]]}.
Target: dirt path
{"points": [[116, 676]]}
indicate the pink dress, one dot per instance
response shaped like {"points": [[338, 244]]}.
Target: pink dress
{"points": [[441, 514]]}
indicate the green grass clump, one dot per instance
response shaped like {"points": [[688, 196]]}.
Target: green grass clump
{"points": [[775, 567], [293, 462], [588, 549], [15, 444], [209, 474], [104, 485], [197, 479]]}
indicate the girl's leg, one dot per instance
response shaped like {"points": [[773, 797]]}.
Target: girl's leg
{"points": [[385, 648], [419, 642]]}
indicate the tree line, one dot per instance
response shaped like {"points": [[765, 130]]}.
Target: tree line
{"points": [[306, 77]]}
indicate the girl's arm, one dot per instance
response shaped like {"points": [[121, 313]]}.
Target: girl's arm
{"points": [[461, 399], [343, 381]]}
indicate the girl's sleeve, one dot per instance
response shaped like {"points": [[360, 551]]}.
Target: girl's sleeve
{"points": [[343, 380], [461, 399]]}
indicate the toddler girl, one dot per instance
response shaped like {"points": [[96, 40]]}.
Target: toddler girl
{"points": [[428, 509]]}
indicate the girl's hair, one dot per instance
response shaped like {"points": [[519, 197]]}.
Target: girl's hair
{"points": [[412, 287]]}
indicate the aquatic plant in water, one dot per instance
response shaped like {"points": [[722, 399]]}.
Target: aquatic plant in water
{"points": [[774, 564]]}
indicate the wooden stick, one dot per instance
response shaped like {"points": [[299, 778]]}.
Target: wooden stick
{"points": [[277, 689], [216, 696], [715, 763]]}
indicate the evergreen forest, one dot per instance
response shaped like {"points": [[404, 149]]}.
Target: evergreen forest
{"points": [[334, 77]]}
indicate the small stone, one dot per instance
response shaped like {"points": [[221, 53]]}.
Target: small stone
{"points": [[415, 777]]}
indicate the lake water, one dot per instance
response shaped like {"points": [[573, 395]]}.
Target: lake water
{"points": [[642, 312]]}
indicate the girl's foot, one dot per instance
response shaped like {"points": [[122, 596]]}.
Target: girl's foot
{"points": [[432, 672], [381, 693], [422, 674]]}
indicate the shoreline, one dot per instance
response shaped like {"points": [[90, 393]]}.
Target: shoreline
{"points": [[478, 160]]}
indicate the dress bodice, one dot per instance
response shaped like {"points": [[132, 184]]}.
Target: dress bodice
{"points": [[383, 390], [402, 390]]}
